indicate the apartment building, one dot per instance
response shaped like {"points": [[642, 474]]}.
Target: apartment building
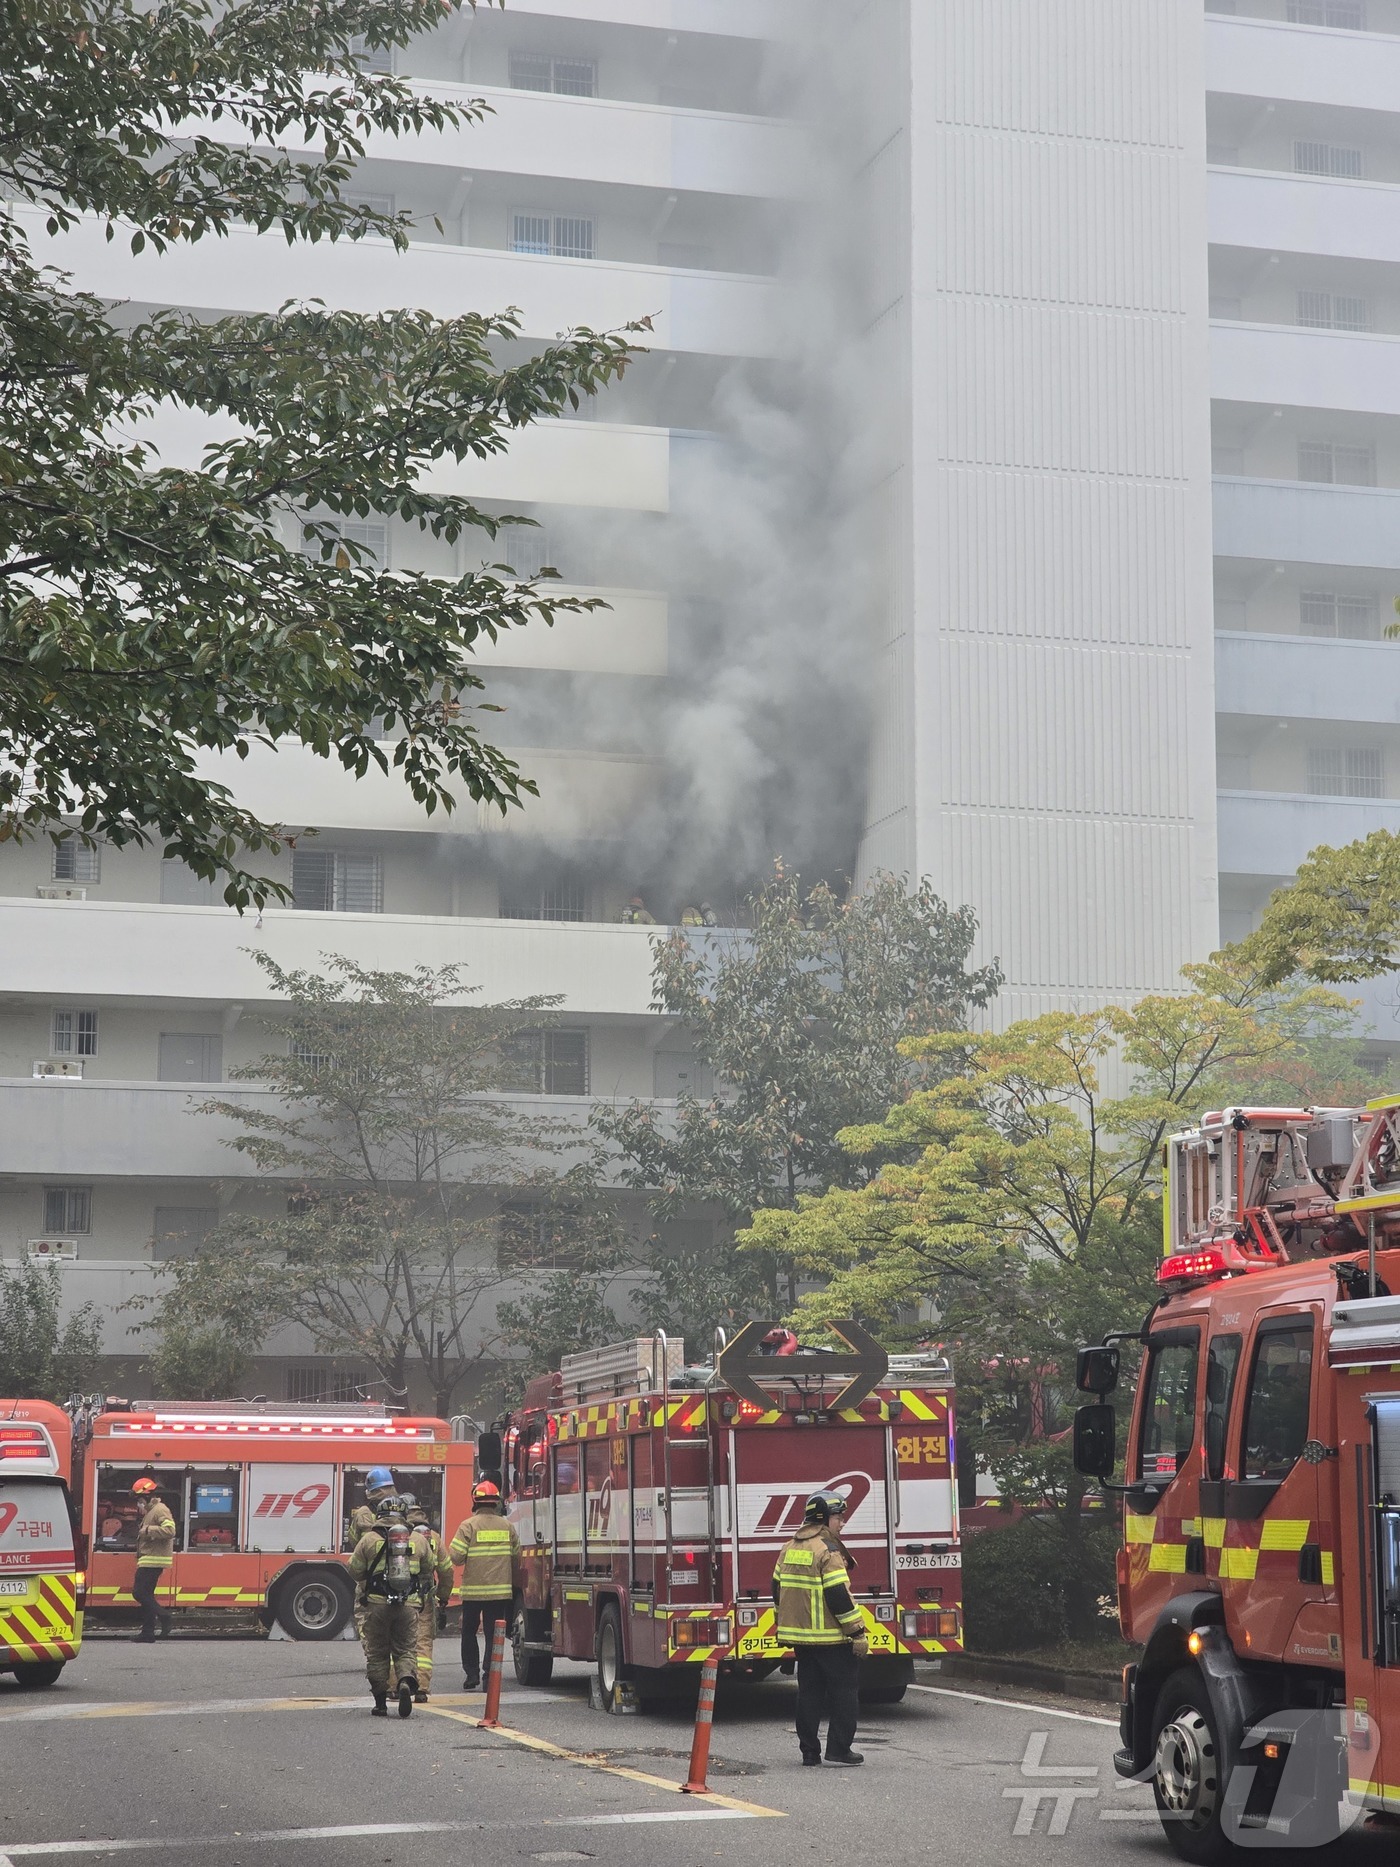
{"points": [[988, 332]]}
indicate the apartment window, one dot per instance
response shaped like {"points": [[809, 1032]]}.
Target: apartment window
{"points": [[74, 1034], [323, 1387], [1333, 311], [547, 1063], [371, 57], [566, 77], [525, 548], [180, 1231], [371, 535], [190, 1057], [1326, 612], [1346, 771], [67, 1209], [538, 1236], [560, 236], [1337, 463], [376, 203], [1310, 158], [77, 861], [1350, 15], [556, 900], [334, 881]]}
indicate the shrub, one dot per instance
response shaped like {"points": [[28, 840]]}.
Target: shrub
{"points": [[1037, 1581]]}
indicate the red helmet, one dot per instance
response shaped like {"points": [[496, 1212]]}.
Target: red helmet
{"points": [[486, 1492], [143, 1485]]}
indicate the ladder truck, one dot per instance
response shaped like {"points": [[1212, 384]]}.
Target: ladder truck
{"points": [[652, 1498], [1259, 1567]]}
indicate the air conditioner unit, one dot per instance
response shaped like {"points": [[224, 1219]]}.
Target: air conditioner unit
{"points": [[61, 1066], [64, 1250], [61, 891]]}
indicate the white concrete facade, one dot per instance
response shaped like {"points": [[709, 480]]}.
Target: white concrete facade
{"points": [[1127, 277]]}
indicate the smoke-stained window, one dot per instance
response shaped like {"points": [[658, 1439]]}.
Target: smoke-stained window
{"points": [[525, 548], [336, 881], [558, 899]]}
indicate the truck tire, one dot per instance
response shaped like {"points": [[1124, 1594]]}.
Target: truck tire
{"points": [[1190, 1771], [884, 1682], [30, 1674], [608, 1649], [314, 1604], [530, 1668]]}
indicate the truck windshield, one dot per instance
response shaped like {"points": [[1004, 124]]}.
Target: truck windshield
{"points": [[35, 1532], [1168, 1406]]}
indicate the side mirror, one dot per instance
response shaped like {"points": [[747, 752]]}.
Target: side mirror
{"points": [[1096, 1370], [488, 1456], [1095, 1440]]}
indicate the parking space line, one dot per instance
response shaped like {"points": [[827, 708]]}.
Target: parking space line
{"points": [[1013, 1704], [589, 1761], [34, 1850]]}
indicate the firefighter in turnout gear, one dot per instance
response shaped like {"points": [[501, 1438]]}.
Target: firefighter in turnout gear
{"points": [[434, 1592], [488, 1549], [818, 1618], [388, 1564], [155, 1548], [379, 1484]]}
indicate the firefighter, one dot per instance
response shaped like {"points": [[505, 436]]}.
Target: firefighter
{"points": [[819, 1619], [387, 1564], [638, 914], [155, 1548], [434, 1593], [379, 1484], [489, 1551]]}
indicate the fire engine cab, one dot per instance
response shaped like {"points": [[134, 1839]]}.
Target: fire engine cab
{"points": [[653, 1497], [262, 1496], [1260, 1561]]}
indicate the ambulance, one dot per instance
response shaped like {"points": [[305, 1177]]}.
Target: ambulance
{"points": [[41, 1580]]}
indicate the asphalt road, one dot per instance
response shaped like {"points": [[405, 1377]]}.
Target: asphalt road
{"points": [[221, 1753]]}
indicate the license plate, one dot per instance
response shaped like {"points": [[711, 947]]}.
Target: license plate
{"points": [[14, 1588], [934, 1559]]}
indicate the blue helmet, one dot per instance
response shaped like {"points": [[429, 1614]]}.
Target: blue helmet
{"points": [[379, 1478]]}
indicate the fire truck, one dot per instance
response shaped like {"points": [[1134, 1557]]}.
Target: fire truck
{"points": [[1260, 1561], [652, 1499], [41, 1583], [261, 1495]]}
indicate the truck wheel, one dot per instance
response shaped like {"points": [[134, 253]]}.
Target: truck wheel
{"points": [[608, 1647], [884, 1682], [530, 1668], [32, 1673], [314, 1604], [1190, 1772]]}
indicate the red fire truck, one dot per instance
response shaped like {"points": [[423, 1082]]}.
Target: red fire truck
{"points": [[652, 1499], [1260, 1562], [262, 1496]]}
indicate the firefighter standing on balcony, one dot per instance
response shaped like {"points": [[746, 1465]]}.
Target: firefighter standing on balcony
{"points": [[388, 1563], [434, 1593], [155, 1548], [818, 1618], [488, 1549]]}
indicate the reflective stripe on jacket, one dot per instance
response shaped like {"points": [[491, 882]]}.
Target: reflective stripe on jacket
{"points": [[155, 1540], [488, 1549], [813, 1593]]}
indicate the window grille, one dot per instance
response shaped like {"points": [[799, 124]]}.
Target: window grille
{"points": [[548, 1063], [324, 1386], [566, 77], [1333, 311], [1337, 463], [334, 881], [68, 1209], [372, 535], [1327, 612], [1312, 158], [525, 548], [1346, 771], [558, 900], [376, 203], [1350, 15], [534, 1235], [75, 1034], [557, 236], [76, 861]]}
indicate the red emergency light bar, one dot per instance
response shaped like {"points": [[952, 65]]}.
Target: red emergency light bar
{"points": [[1220, 1260], [25, 1442]]}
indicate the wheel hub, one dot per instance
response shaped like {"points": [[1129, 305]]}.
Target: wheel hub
{"points": [[1187, 1781], [315, 1605]]}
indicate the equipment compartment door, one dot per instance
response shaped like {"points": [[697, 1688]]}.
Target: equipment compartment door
{"points": [[778, 1468], [291, 1507]]}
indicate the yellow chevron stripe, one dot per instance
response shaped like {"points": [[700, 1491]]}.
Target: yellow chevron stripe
{"points": [[920, 1409]]}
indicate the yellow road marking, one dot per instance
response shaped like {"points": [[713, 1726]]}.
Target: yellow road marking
{"points": [[596, 1763]]}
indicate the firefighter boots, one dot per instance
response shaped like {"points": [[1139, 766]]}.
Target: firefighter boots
{"points": [[406, 1691], [380, 1707]]}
